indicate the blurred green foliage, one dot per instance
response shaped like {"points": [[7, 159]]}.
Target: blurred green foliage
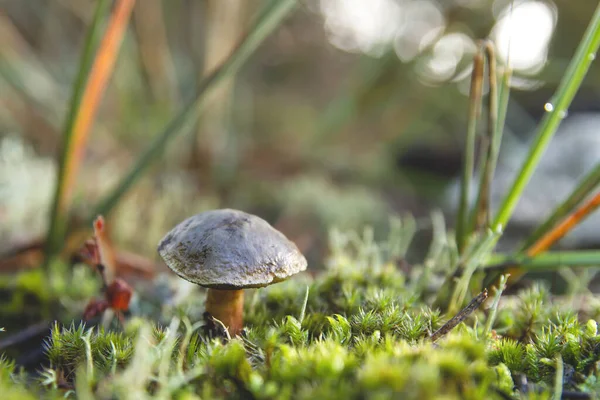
{"points": [[301, 107]]}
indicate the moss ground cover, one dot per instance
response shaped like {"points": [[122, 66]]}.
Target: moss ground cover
{"points": [[361, 332]]}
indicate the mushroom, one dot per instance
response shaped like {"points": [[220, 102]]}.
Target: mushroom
{"points": [[228, 251]]}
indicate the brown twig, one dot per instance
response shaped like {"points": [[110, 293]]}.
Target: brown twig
{"points": [[461, 316]]}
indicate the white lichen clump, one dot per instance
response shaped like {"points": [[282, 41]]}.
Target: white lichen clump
{"points": [[26, 185]]}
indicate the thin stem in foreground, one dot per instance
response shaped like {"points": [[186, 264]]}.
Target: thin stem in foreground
{"points": [[490, 146], [469, 157]]}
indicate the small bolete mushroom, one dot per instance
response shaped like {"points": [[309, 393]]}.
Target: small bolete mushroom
{"points": [[227, 251]]}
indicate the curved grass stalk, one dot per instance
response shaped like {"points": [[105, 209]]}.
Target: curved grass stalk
{"points": [[583, 189], [83, 108]]}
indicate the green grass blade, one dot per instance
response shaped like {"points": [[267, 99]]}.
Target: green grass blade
{"points": [[503, 96], [59, 213], [545, 261], [462, 219], [585, 187], [269, 20], [565, 93]]}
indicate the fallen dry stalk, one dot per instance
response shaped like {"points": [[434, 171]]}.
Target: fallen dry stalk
{"points": [[461, 316]]}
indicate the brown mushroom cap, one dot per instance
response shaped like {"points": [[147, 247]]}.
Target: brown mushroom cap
{"points": [[230, 249]]}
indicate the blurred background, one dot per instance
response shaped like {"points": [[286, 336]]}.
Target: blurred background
{"points": [[351, 111]]}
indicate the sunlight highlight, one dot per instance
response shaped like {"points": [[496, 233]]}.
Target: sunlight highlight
{"points": [[523, 35]]}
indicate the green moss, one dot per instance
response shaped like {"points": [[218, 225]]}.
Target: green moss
{"points": [[376, 350], [14, 383], [508, 352], [361, 333], [66, 349]]}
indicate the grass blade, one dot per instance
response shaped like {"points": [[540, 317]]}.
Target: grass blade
{"points": [[585, 187], [57, 225], [547, 240], [566, 226], [503, 96], [490, 146], [545, 261], [469, 158], [479, 219], [268, 21], [565, 93]]}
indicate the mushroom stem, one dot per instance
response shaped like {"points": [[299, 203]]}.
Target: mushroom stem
{"points": [[228, 307]]}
